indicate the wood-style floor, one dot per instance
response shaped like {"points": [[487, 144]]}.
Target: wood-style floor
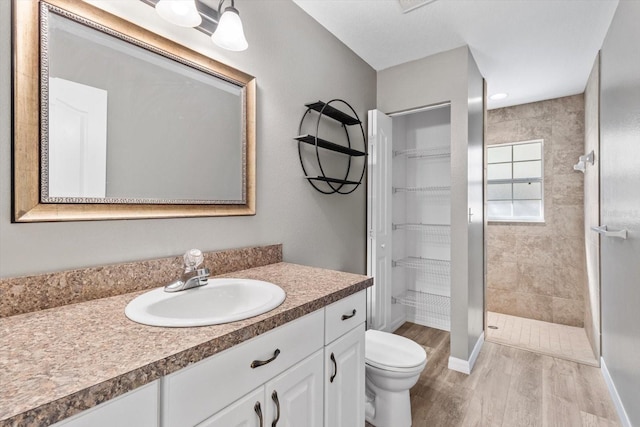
{"points": [[566, 342], [508, 387]]}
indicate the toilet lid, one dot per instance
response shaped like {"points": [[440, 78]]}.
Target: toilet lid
{"points": [[388, 351]]}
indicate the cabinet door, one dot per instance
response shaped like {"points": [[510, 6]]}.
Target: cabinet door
{"points": [[294, 398], [247, 411], [136, 408], [344, 380]]}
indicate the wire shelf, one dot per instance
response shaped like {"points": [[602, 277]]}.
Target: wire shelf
{"points": [[426, 309], [433, 267], [438, 233], [423, 153], [442, 190]]}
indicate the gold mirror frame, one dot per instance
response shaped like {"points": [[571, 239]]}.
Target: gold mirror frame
{"points": [[27, 205]]}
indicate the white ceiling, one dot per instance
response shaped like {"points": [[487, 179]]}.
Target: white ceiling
{"points": [[531, 49]]}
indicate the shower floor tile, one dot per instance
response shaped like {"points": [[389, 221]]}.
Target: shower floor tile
{"points": [[562, 341]]}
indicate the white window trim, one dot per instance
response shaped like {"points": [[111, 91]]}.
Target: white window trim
{"points": [[538, 219]]}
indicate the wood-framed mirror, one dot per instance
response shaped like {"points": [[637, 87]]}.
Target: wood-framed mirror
{"points": [[112, 121]]}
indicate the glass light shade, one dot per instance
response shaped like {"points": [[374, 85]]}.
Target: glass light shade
{"points": [[179, 12], [230, 34]]}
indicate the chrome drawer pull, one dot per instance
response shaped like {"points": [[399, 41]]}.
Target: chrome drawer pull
{"points": [[335, 368], [274, 397], [258, 410], [349, 316], [258, 363]]}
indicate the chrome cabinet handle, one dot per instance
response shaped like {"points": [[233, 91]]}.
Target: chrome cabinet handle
{"points": [[349, 316], [621, 234], [335, 368], [258, 410], [258, 363], [274, 397]]}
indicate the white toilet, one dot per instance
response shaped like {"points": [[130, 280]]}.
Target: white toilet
{"points": [[393, 366]]}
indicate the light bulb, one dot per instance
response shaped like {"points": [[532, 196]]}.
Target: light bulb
{"points": [[230, 34], [179, 12]]}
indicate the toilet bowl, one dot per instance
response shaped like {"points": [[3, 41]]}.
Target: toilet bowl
{"points": [[392, 365]]}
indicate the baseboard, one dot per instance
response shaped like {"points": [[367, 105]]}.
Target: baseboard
{"points": [[397, 323], [466, 366], [624, 418]]}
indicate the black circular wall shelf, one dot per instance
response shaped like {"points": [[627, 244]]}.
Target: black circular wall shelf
{"points": [[323, 183]]}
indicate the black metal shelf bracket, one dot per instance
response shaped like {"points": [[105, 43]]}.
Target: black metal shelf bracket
{"points": [[323, 183]]}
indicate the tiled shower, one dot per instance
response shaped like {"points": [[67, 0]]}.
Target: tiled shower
{"points": [[538, 270]]}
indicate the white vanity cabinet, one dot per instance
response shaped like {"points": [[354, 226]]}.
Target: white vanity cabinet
{"points": [[138, 408], [294, 398], [248, 411], [306, 373], [344, 362], [195, 393]]}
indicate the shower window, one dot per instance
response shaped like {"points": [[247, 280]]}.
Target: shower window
{"points": [[515, 184]]}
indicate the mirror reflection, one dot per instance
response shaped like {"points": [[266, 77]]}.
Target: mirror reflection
{"points": [[127, 125]]}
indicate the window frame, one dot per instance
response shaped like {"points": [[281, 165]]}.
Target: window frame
{"points": [[512, 219]]}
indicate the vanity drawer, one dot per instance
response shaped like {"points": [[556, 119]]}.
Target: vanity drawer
{"points": [[340, 317], [198, 391]]}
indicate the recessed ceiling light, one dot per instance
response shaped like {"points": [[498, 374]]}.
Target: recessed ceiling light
{"points": [[497, 96]]}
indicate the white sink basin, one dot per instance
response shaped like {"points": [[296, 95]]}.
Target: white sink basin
{"points": [[219, 301]]}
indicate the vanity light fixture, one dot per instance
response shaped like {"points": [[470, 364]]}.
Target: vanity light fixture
{"points": [[230, 34], [179, 12], [224, 27]]}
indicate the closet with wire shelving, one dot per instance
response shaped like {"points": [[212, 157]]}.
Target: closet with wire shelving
{"points": [[421, 217]]}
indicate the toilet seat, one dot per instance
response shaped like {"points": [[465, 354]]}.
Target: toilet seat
{"points": [[391, 352]]}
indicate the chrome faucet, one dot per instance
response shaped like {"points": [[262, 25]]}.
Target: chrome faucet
{"points": [[192, 276]]}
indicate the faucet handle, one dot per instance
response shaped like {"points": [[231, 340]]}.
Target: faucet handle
{"points": [[203, 276], [192, 259]]}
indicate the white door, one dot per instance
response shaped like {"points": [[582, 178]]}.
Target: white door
{"points": [[344, 380], [245, 412], [294, 398], [379, 220], [77, 140]]}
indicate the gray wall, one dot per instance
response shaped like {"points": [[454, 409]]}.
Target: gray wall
{"points": [[620, 203], [295, 61], [450, 77]]}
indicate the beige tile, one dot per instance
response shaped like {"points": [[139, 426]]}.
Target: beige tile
{"points": [[568, 104], [568, 252], [569, 282], [534, 307], [568, 222], [502, 301], [568, 124], [535, 279], [534, 249], [501, 248], [567, 190], [568, 312], [502, 275], [536, 128], [503, 132], [567, 155]]}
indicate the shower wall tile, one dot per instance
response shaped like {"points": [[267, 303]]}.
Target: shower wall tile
{"points": [[501, 301], [534, 306], [549, 258], [503, 276], [568, 312], [534, 250], [536, 278], [501, 248], [569, 222]]}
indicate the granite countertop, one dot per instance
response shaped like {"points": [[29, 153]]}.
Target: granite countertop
{"points": [[57, 362]]}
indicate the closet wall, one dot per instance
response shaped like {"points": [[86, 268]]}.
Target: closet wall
{"points": [[453, 77]]}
